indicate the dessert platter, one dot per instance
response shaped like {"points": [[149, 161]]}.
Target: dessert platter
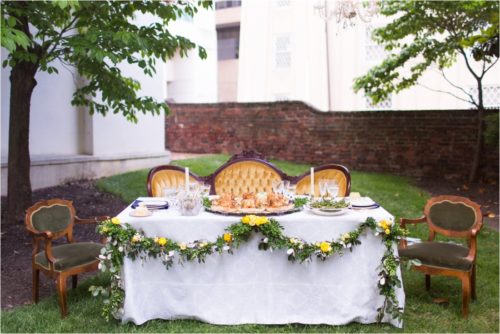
{"points": [[262, 203]]}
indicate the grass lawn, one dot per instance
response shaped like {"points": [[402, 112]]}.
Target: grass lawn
{"points": [[397, 194]]}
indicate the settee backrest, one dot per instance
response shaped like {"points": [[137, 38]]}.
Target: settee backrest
{"points": [[248, 172]]}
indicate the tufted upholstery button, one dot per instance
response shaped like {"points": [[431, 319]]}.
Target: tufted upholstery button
{"points": [[245, 176]]}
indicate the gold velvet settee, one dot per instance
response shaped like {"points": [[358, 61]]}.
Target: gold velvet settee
{"points": [[247, 172]]}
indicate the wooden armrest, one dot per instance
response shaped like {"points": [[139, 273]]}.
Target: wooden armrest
{"points": [[93, 220], [403, 222], [44, 234]]}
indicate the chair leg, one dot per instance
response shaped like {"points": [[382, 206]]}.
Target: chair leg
{"points": [[74, 281], [466, 284], [427, 282], [61, 291], [473, 282], [36, 284]]}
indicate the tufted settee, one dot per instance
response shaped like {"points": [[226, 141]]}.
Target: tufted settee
{"points": [[247, 172]]}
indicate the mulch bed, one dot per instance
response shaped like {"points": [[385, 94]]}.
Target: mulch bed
{"points": [[88, 201]]}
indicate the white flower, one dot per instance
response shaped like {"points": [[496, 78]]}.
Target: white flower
{"points": [[226, 248], [99, 266], [382, 281], [266, 240], [120, 249], [171, 253], [290, 251], [301, 246], [102, 257]]}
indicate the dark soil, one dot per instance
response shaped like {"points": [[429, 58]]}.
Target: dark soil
{"points": [[17, 243], [88, 201]]}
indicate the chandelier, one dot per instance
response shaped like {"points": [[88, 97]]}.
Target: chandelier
{"points": [[347, 12]]}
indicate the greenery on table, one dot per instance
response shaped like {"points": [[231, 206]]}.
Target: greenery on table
{"points": [[396, 194], [125, 241], [325, 203]]}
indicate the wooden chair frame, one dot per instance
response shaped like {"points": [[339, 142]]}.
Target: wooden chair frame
{"points": [[247, 156], [468, 278], [48, 237]]}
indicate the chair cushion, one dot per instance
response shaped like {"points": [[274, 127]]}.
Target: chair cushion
{"points": [[304, 184], [70, 255], [439, 254], [168, 178]]}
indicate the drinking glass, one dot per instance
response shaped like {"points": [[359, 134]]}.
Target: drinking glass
{"points": [[205, 190], [323, 187], [291, 190], [333, 188], [194, 187]]}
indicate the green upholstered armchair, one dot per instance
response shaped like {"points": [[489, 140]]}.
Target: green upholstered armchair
{"points": [[451, 216], [50, 220]]}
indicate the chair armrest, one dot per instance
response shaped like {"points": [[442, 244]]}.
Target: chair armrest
{"points": [[93, 220], [407, 221], [44, 234]]}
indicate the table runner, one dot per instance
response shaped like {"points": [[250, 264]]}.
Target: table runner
{"points": [[253, 286]]}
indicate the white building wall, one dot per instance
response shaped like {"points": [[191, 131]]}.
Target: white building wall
{"points": [[192, 79], [262, 22], [53, 122]]}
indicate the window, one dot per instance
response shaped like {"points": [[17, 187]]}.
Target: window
{"points": [[227, 4], [373, 51], [282, 3], [491, 96], [384, 105], [228, 42], [282, 54]]}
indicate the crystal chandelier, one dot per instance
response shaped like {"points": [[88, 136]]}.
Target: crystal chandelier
{"points": [[346, 12]]}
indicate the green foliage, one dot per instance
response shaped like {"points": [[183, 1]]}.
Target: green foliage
{"points": [[492, 127], [96, 37], [124, 240], [424, 33]]}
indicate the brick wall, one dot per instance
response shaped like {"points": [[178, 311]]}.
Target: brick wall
{"points": [[415, 143]]}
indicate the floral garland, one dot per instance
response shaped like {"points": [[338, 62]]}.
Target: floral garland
{"points": [[123, 240]]}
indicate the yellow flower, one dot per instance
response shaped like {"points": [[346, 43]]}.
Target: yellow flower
{"points": [[115, 221], [182, 246], [385, 224], [387, 231], [105, 229], [245, 220], [228, 237], [162, 241], [261, 221], [293, 241], [156, 239], [136, 238], [345, 236], [325, 247]]}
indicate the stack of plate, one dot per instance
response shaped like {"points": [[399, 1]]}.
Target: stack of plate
{"points": [[363, 203], [151, 205]]}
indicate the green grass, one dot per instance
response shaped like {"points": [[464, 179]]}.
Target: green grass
{"points": [[397, 194]]}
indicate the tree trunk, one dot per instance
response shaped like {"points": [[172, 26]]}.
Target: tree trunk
{"points": [[480, 127], [23, 82]]}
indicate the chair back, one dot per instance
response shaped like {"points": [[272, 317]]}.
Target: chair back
{"points": [[334, 172], [239, 177], [54, 215], [453, 215], [167, 176]]}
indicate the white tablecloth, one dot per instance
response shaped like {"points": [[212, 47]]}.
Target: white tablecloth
{"points": [[253, 286]]}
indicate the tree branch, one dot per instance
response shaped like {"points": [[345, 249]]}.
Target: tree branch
{"points": [[58, 38], [456, 86], [488, 68], [461, 50], [449, 93]]}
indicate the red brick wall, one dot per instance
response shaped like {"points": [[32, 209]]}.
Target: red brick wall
{"points": [[415, 143]]}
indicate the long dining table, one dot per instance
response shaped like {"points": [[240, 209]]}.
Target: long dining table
{"points": [[253, 286]]}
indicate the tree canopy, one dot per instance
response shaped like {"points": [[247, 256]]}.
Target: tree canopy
{"points": [[95, 37], [425, 33]]}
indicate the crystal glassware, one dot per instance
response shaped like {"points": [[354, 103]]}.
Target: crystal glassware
{"points": [[333, 188], [323, 187]]}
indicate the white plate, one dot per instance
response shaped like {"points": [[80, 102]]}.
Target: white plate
{"points": [[135, 214], [362, 201], [320, 212], [154, 203]]}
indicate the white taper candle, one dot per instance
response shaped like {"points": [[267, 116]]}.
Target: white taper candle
{"points": [[312, 181], [186, 181]]}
